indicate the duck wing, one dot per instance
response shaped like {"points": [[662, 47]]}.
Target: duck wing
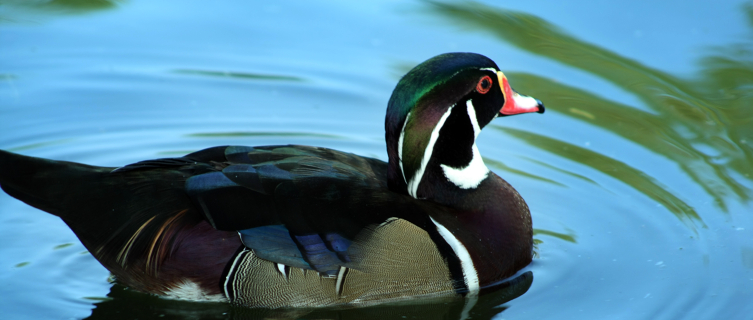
{"points": [[297, 206]]}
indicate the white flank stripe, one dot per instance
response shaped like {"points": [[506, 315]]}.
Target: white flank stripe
{"points": [[416, 180], [230, 273], [340, 278], [400, 147], [469, 271], [476, 171]]}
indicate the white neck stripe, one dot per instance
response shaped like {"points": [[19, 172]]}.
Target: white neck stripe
{"points": [[466, 263], [416, 179], [231, 272], [400, 147]]}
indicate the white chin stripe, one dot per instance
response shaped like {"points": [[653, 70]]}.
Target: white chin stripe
{"points": [[466, 263], [476, 171], [472, 116], [416, 179]]}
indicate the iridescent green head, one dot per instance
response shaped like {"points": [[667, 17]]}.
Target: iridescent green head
{"points": [[434, 115]]}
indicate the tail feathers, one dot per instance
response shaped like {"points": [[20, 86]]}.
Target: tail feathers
{"points": [[139, 223], [45, 184], [114, 214]]}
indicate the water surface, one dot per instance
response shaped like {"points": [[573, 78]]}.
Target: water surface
{"points": [[639, 176]]}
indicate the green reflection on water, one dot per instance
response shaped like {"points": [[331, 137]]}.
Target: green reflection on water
{"points": [[98, 299], [63, 6], [501, 166], [567, 237], [704, 126], [239, 75], [39, 145], [61, 246], [263, 134], [176, 152], [611, 167], [570, 173], [81, 5]]}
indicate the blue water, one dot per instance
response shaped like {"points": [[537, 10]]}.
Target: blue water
{"points": [[639, 176]]}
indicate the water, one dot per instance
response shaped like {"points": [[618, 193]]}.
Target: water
{"points": [[638, 176]]}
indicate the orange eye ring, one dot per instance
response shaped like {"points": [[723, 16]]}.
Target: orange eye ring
{"points": [[484, 85]]}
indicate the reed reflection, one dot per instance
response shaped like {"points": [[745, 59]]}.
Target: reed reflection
{"points": [[703, 125]]}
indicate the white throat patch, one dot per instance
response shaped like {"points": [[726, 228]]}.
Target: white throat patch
{"points": [[476, 171]]}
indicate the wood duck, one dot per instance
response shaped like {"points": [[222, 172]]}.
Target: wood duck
{"points": [[300, 226]]}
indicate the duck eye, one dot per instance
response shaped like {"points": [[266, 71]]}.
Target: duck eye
{"points": [[484, 85]]}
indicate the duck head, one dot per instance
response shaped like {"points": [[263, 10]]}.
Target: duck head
{"points": [[434, 116]]}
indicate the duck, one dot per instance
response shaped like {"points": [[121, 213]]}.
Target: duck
{"points": [[301, 226]]}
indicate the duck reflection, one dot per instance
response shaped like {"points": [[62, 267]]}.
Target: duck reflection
{"points": [[120, 303]]}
